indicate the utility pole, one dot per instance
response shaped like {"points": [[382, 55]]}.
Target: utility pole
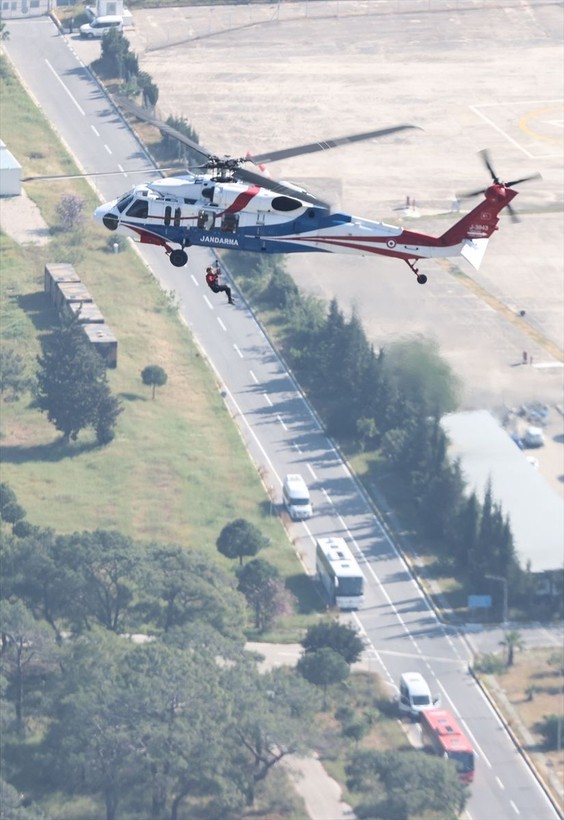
{"points": [[503, 581]]}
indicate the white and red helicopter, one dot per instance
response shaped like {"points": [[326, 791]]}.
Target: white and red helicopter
{"points": [[231, 207]]}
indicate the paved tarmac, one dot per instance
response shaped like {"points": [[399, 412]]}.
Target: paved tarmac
{"points": [[471, 74]]}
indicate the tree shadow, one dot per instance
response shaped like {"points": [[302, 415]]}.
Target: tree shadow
{"points": [[131, 397], [41, 312], [305, 593], [53, 452]]}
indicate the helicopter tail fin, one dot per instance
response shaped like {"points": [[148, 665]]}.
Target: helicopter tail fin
{"points": [[473, 251], [476, 227]]}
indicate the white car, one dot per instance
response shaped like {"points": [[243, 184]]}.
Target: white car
{"points": [[100, 26], [534, 437]]}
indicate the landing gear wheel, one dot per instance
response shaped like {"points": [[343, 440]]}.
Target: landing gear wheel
{"points": [[421, 278], [178, 258]]}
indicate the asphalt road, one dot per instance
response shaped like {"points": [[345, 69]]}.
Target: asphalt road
{"points": [[283, 435]]}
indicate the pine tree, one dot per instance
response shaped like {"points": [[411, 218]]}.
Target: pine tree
{"points": [[71, 382]]}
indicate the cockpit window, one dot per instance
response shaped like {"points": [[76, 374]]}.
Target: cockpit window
{"points": [[124, 202], [139, 209]]}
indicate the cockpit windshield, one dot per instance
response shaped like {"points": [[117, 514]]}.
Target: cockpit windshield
{"points": [[124, 202]]}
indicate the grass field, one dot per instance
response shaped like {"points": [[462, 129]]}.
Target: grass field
{"points": [[177, 470]]}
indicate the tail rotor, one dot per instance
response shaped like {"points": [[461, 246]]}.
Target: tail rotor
{"points": [[484, 154]]}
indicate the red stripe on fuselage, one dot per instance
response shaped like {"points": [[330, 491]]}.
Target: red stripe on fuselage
{"points": [[242, 200]]}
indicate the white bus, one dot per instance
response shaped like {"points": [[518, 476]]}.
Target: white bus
{"points": [[339, 573]]}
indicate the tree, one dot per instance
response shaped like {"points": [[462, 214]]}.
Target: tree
{"points": [[403, 785], [104, 567], [240, 538], [273, 716], [341, 638], [421, 376], [180, 587], [13, 380], [512, 641], [323, 667], [264, 590], [24, 642], [154, 376], [71, 382], [109, 408], [70, 210]]}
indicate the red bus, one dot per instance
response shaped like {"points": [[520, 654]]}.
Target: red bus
{"points": [[443, 735]]}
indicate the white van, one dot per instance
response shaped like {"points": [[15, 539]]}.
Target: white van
{"points": [[100, 26], [296, 497], [415, 695]]}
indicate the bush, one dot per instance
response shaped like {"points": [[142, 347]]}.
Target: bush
{"points": [[490, 664], [550, 727]]}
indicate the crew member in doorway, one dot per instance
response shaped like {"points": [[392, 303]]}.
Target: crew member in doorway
{"points": [[212, 281]]}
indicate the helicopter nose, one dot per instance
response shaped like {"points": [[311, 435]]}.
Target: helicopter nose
{"points": [[108, 219]]}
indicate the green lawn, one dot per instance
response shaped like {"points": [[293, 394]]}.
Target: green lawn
{"points": [[177, 470]]}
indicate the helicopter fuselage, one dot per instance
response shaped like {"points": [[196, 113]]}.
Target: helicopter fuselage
{"points": [[226, 213]]}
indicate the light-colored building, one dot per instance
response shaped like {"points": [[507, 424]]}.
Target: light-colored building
{"points": [[13, 9], [10, 173]]}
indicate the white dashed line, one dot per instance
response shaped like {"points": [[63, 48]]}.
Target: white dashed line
{"points": [[253, 377], [109, 150], [208, 303], [96, 132], [514, 807], [499, 783], [282, 423], [64, 86], [238, 351], [312, 473], [267, 397], [222, 326], [194, 280]]}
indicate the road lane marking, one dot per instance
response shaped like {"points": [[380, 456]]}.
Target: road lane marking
{"points": [[312, 473], [208, 303], [282, 423], [194, 280], [238, 350], [66, 89], [222, 326], [96, 132], [514, 807], [253, 377], [109, 150], [267, 397], [499, 783]]}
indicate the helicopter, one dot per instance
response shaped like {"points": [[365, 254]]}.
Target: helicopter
{"points": [[223, 205]]}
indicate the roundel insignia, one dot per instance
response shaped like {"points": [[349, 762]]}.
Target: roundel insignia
{"points": [[391, 243]]}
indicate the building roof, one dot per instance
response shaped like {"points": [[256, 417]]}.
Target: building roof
{"points": [[487, 452], [7, 159]]}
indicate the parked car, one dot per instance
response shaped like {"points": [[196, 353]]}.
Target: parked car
{"points": [[100, 26], [534, 437]]}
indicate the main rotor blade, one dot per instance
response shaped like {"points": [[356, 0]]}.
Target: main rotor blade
{"points": [[100, 174], [142, 114], [277, 187], [312, 147]]}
